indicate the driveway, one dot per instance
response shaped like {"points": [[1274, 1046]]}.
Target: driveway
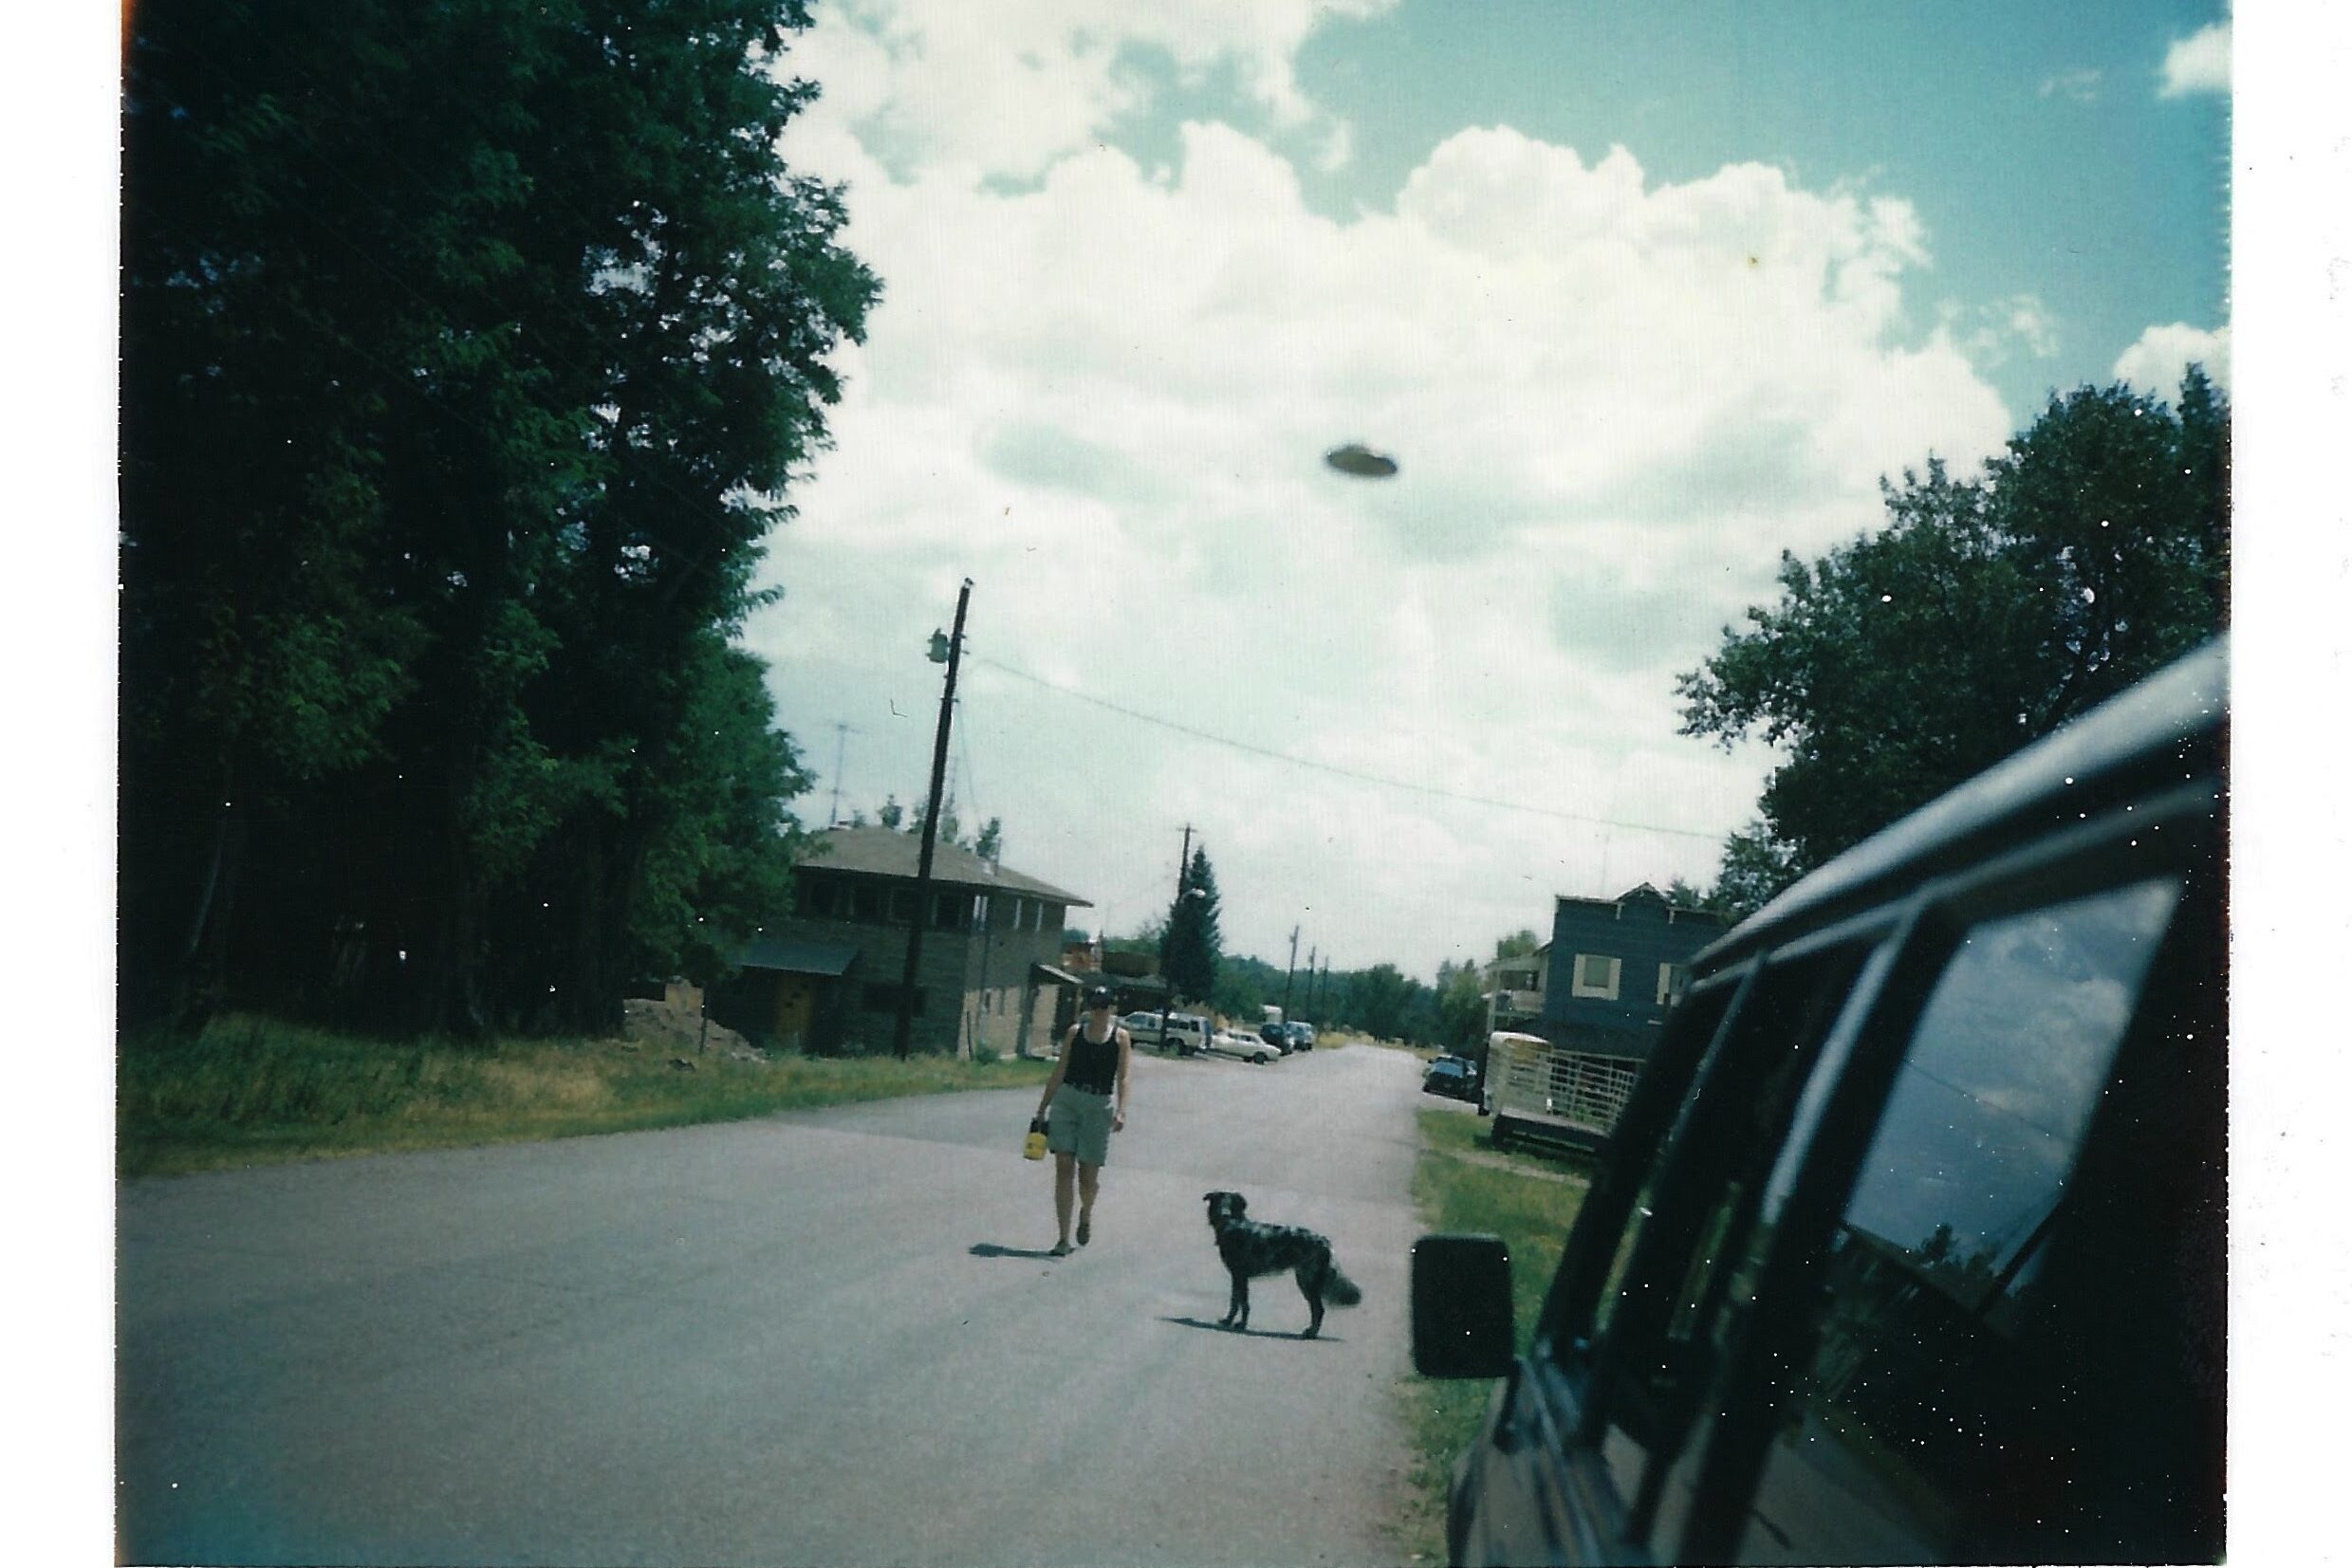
{"points": [[822, 1337]]}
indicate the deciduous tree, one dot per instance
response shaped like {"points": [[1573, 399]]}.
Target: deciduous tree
{"points": [[1984, 615]]}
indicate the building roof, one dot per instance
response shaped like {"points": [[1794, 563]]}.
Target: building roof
{"points": [[887, 852], [1645, 892]]}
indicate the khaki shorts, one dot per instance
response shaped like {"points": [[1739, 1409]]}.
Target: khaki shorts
{"points": [[1079, 1124]]}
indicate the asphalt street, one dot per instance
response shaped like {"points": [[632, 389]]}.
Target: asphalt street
{"points": [[820, 1337]]}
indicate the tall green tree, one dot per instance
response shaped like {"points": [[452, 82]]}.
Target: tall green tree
{"points": [[1461, 1003], [1381, 1002], [1194, 942], [1984, 615], [467, 352]]}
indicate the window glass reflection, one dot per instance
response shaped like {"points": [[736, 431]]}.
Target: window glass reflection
{"points": [[1926, 1412]]}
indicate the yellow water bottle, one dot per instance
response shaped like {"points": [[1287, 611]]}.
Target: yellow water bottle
{"points": [[1033, 1147]]}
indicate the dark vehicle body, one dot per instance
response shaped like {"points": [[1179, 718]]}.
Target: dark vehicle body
{"points": [[1451, 1076], [1909, 1246]]}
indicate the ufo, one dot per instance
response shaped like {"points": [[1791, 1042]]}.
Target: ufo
{"points": [[1361, 460]]}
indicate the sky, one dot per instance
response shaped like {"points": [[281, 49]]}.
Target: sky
{"points": [[1637, 297], [1088, 583]]}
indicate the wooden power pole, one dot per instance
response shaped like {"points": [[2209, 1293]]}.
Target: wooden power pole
{"points": [[903, 1035]]}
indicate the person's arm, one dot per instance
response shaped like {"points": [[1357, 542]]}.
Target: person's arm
{"points": [[1053, 1079], [1118, 1108]]}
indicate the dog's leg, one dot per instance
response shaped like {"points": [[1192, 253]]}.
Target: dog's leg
{"points": [[1234, 1300], [1309, 1276], [1241, 1299]]}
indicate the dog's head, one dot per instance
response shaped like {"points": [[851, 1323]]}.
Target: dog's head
{"points": [[1224, 1208]]}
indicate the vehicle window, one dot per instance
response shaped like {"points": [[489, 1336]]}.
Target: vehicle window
{"points": [[1603, 1238], [1695, 1247], [1926, 1412]]}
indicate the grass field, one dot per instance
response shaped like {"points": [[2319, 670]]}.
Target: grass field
{"points": [[248, 1091], [1460, 1184]]}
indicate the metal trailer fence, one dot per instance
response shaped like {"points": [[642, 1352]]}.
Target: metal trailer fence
{"points": [[1545, 1090]]}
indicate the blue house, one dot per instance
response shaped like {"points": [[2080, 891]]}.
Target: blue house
{"points": [[1617, 964]]}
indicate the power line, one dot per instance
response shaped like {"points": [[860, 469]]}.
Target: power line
{"points": [[1333, 769]]}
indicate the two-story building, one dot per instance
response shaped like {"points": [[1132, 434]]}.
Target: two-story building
{"points": [[1616, 964], [1514, 989], [826, 976], [1613, 968]]}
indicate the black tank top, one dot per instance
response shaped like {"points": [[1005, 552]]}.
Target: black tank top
{"points": [[1094, 1063]]}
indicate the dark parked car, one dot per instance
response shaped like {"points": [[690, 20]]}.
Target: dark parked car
{"points": [[1452, 1076], [1910, 1246]]}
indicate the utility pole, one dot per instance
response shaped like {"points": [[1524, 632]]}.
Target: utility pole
{"points": [[841, 752], [1288, 972], [948, 650], [1167, 939], [1311, 987]]}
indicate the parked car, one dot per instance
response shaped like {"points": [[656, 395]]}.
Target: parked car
{"points": [[1276, 1035], [1910, 1244], [1302, 1036], [1451, 1076], [1247, 1047], [1187, 1033]]}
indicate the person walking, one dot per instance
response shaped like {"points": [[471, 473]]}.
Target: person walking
{"points": [[1084, 1103]]}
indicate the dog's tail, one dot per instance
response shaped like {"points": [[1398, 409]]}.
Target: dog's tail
{"points": [[1339, 1289]]}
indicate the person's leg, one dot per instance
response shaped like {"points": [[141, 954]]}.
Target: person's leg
{"points": [[1087, 1176], [1064, 1165]]}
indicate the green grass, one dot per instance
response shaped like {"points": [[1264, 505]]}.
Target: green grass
{"points": [[1461, 1184], [247, 1091]]}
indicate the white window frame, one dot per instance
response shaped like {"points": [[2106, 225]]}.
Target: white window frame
{"points": [[1670, 982], [1576, 985]]}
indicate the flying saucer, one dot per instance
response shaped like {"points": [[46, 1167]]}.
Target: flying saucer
{"points": [[1361, 461]]}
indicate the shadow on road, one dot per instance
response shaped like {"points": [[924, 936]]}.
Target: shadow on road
{"points": [[1254, 1333], [989, 1249]]}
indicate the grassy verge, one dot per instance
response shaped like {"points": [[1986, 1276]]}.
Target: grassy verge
{"points": [[1461, 1184], [248, 1091]]}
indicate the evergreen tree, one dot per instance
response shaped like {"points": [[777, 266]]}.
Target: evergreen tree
{"points": [[1194, 942]]}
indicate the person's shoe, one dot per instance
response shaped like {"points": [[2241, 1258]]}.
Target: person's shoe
{"points": [[1085, 1231], [1061, 1249]]}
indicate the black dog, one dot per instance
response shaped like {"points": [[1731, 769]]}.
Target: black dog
{"points": [[1251, 1248]]}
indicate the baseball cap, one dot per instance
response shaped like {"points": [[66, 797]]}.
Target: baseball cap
{"points": [[1098, 996]]}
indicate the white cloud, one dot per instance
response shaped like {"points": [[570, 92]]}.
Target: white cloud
{"points": [[1104, 400], [1006, 91], [1994, 335], [2197, 64], [2080, 86], [2156, 362]]}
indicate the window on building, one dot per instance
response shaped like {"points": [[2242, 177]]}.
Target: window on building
{"points": [[816, 895], [1672, 978], [1595, 976], [901, 906], [866, 904], [947, 911]]}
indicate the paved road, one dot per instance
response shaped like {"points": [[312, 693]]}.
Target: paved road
{"points": [[822, 1337]]}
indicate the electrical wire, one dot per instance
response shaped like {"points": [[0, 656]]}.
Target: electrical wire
{"points": [[1332, 768]]}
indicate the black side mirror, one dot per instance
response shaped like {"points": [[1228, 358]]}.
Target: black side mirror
{"points": [[1462, 1307]]}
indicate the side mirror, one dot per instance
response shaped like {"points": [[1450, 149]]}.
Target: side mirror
{"points": [[1462, 1307]]}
